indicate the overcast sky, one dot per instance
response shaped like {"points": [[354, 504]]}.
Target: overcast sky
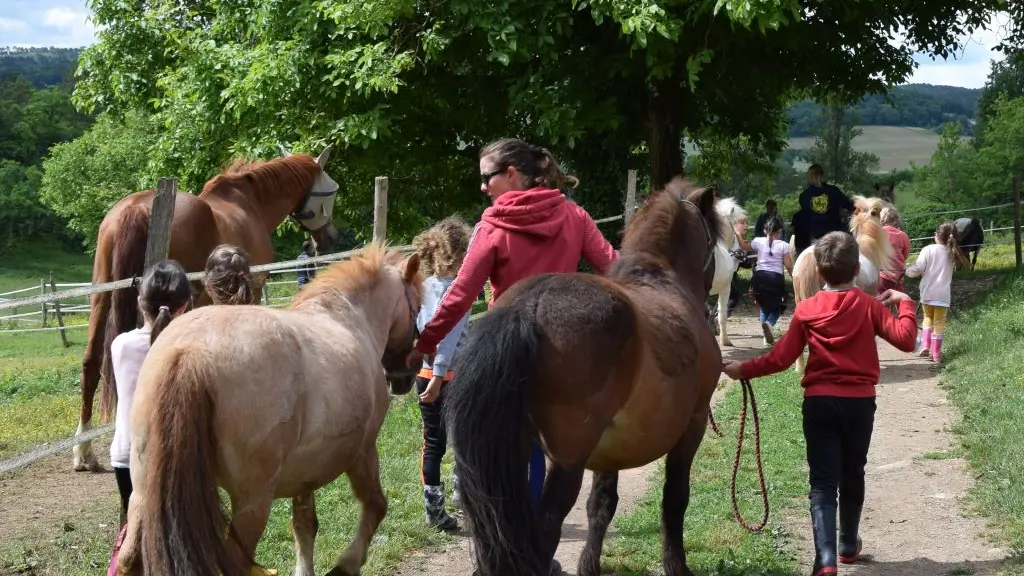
{"points": [[64, 23]]}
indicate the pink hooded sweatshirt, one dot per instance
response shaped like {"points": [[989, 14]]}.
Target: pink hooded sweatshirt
{"points": [[523, 234]]}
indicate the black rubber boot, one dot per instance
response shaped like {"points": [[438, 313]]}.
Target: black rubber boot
{"points": [[823, 525], [850, 544]]}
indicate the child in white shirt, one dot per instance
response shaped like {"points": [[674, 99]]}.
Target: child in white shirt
{"points": [[935, 266], [164, 294]]}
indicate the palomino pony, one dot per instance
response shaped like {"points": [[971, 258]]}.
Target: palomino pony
{"points": [[875, 254], [725, 264], [610, 372], [242, 206], [267, 404]]}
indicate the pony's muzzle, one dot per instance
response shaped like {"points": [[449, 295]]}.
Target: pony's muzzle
{"points": [[400, 383]]}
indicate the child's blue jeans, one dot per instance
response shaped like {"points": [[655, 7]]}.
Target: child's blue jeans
{"points": [[771, 319]]}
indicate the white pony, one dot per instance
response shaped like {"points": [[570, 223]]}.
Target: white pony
{"points": [[725, 263], [876, 253]]}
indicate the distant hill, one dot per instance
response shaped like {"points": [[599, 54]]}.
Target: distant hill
{"points": [[915, 105], [895, 146], [41, 66]]}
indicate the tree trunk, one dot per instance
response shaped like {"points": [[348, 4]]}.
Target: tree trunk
{"points": [[665, 131]]}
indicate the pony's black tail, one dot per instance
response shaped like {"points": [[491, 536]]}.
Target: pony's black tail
{"points": [[488, 421], [128, 260]]}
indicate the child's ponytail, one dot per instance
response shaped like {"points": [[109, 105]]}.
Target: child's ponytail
{"points": [[947, 237], [163, 318], [165, 290]]}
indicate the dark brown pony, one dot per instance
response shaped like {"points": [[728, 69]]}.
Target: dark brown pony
{"points": [[609, 373], [241, 206]]}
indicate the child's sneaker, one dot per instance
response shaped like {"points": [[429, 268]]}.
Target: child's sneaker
{"points": [[769, 337]]}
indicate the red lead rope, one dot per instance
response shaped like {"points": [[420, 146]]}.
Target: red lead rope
{"points": [[748, 390]]}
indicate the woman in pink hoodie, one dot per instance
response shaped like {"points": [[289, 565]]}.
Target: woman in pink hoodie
{"points": [[529, 229]]}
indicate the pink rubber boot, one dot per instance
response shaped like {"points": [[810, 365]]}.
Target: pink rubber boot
{"points": [[926, 343], [936, 348]]}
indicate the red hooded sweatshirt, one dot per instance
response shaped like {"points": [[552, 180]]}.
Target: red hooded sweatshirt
{"points": [[839, 327], [523, 234]]}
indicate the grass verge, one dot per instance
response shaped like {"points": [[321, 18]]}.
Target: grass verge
{"points": [[716, 544], [984, 379]]}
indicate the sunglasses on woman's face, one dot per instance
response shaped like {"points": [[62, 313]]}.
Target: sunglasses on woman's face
{"points": [[485, 178]]}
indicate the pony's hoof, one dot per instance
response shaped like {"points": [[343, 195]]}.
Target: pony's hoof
{"points": [[724, 342], [86, 462]]}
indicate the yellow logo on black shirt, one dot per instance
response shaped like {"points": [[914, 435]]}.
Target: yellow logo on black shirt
{"points": [[819, 203]]}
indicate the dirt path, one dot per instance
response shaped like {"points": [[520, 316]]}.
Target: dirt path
{"points": [[914, 521], [745, 334], [47, 498]]}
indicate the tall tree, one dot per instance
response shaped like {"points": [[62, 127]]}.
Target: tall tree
{"points": [[833, 149], [415, 88]]}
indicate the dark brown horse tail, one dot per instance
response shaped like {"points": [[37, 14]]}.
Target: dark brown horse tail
{"points": [[128, 259], [490, 427], [183, 525]]}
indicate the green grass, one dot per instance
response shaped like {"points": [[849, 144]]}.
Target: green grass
{"points": [[896, 146], [716, 544], [985, 382]]}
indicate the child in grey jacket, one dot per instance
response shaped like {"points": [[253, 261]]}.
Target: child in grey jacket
{"points": [[441, 249]]}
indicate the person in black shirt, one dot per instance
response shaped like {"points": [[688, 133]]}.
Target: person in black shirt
{"points": [[822, 209]]}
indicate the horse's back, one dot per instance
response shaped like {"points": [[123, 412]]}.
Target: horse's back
{"points": [[306, 391]]}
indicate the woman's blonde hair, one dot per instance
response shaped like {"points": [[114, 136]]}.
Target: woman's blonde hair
{"points": [[228, 279], [443, 246]]}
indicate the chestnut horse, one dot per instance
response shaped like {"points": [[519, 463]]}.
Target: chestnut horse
{"points": [[876, 254], [609, 373], [267, 404], [242, 206]]}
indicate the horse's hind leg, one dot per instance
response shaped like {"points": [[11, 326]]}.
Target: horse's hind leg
{"points": [[364, 476], [304, 527], [248, 521], [676, 496], [92, 361], [604, 498], [561, 488]]}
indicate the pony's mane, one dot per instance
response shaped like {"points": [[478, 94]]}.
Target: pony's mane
{"points": [[729, 211], [359, 273], [869, 205], [872, 240], [650, 230], [266, 177]]}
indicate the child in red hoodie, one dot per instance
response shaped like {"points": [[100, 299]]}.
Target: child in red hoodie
{"points": [[839, 325]]}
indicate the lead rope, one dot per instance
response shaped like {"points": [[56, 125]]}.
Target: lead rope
{"points": [[714, 425], [748, 389]]}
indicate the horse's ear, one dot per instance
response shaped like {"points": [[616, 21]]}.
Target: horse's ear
{"points": [[322, 158], [706, 201], [412, 267]]}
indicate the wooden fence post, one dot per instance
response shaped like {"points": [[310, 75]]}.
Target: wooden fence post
{"points": [[630, 206], [42, 290], [56, 312], [1016, 218], [266, 292], [159, 242], [380, 208]]}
